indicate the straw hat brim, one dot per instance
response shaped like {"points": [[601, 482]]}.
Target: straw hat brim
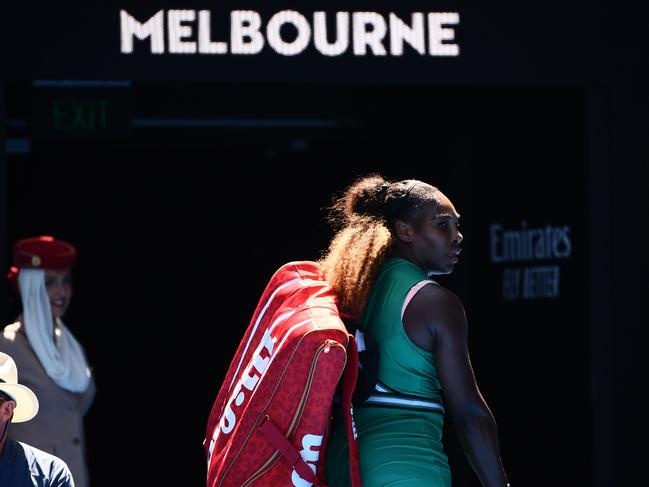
{"points": [[26, 401]]}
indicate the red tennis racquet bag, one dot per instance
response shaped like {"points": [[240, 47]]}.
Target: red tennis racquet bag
{"points": [[270, 421]]}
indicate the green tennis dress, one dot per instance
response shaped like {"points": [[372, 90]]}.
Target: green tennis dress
{"points": [[400, 425]]}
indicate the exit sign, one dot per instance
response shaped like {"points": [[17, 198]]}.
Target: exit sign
{"points": [[80, 114], [79, 111]]}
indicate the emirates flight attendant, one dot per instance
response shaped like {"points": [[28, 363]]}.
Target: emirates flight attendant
{"points": [[51, 361]]}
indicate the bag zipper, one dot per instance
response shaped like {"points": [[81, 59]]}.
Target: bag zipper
{"points": [[325, 347]]}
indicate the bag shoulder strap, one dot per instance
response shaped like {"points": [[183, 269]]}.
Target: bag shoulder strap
{"points": [[349, 382], [288, 451]]}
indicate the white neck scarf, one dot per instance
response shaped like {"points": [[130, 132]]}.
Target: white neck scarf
{"points": [[64, 360]]}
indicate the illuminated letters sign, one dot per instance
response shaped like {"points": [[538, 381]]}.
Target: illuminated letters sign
{"points": [[189, 32]]}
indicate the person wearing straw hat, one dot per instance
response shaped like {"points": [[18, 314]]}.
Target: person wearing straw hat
{"points": [[22, 465], [51, 361]]}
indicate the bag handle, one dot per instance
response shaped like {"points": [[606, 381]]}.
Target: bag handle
{"points": [[288, 451]]}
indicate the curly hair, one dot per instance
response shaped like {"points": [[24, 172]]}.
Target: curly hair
{"points": [[364, 216]]}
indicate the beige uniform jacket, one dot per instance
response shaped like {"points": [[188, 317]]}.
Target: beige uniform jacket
{"points": [[58, 426]]}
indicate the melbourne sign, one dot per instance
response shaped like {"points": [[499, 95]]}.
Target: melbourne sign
{"points": [[290, 33]]}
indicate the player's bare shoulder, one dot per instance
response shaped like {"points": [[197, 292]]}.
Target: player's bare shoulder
{"points": [[442, 308]]}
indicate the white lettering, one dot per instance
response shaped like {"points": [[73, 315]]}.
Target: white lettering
{"points": [[260, 363], [154, 27], [249, 380], [245, 24], [267, 343], [320, 33], [211, 448], [437, 34], [177, 31], [205, 44], [275, 38], [371, 38], [309, 442], [400, 31], [229, 420], [310, 453], [368, 31]]}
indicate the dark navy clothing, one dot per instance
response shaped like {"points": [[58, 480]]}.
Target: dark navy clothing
{"points": [[24, 466]]}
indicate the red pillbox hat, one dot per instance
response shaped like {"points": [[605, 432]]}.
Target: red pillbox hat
{"points": [[44, 252]]}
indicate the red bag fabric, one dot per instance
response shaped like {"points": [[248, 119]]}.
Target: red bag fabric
{"points": [[269, 423]]}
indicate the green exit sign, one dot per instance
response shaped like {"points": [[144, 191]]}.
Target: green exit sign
{"points": [[80, 115], [71, 110]]}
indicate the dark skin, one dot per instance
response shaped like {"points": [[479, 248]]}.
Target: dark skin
{"points": [[435, 321]]}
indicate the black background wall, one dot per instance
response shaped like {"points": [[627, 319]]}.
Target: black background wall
{"points": [[179, 230], [196, 189]]}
